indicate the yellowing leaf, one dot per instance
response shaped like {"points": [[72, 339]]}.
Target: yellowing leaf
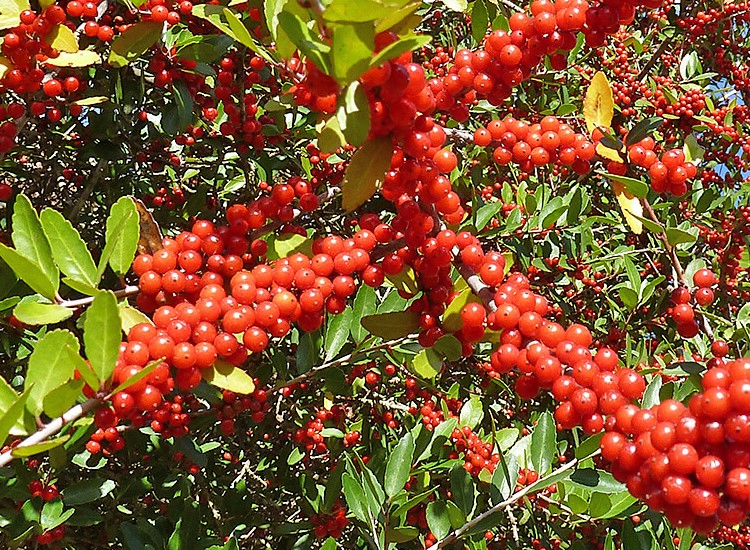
{"points": [[599, 104], [5, 66], [81, 58], [609, 154], [228, 377], [452, 321], [10, 12], [366, 172], [93, 100], [62, 38], [631, 207]]}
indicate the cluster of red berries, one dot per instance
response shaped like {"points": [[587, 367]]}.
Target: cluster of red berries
{"points": [[478, 454], [310, 437], [331, 524], [47, 493], [689, 462], [233, 404], [682, 311], [668, 174], [530, 145]]}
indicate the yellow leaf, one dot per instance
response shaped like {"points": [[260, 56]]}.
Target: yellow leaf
{"points": [[228, 377], [630, 206], [93, 100], [607, 153], [5, 66], [599, 104], [10, 12], [62, 38], [81, 58]]}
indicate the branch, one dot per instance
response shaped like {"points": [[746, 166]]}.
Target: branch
{"points": [[129, 290], [90, 186], [52, 428], [461, 531], [675, 261]]}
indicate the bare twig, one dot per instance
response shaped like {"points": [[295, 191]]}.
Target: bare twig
{"points": [[129, 290]]}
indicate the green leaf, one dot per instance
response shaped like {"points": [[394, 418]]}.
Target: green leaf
{"points": [[633, 186], [337, 333], [31, 450], [677, 236], [134, 42], [35, 313], [287, 244], [228, 377], [87, 491], [486, 213], [13, 414], [405, 281], [308, 44], [651, 395], [129, 317], [690, 65], [364, 305], [29, 238], [140, 375], [81, 366], [124, 237], [10, 12], [330, 136], [366, 172], [452, 316], [29, 272], [427, 364], [406, 44], [448, 347], [68, 248], [460, 6], [438, 519], [48, 367], [329, 544], [121, 220], [355, 11], [354, 494], [102, 334], [505, 477], [398, 468], [693, 150], [390, 326], [543, 443], [463, 489], [643, 129], [480, 21], [354, 115], [62, 398], [227, 22], [472, 413], [353, 44]]}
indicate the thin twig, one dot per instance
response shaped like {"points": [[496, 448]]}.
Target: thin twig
{"points": [[129, 290], [458, 533]]}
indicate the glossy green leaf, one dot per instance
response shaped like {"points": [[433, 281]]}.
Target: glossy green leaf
{"points": [[438, 519], [364, 305], [120, 220], [452, 321], [287, 244], [398, 468], [633, 186], [389, 326], [29, 239], [366, 172], [406, 44], [134, 42], [463, 489], [351, 51], [130, 316], [354, 494], [354, 115], [228, 377], [69, 251], [543, 443], [13, 414], [102, 334], [86, 491], [81, 366], [29, 272], [472, 413], [337, 333], [62, 398], [356, 11], [124, 237], [427, 363], [36, 313], [31, 450], [48, 367], [308, 44]]}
